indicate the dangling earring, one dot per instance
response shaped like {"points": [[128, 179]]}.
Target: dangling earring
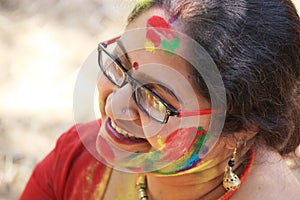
{"points": [[141, 186], [230, 180]]}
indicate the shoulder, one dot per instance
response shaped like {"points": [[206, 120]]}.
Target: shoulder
{"points": [[270, 178], [77, 140], [70, 168], [78, 133], [75, 149]]}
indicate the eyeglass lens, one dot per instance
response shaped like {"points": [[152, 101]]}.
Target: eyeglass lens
{"points": [[111, 69]]}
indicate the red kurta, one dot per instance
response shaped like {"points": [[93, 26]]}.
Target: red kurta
{"points": [[70, 171]]}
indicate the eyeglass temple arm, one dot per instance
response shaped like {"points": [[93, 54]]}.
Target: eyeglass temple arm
{"points": [[188, 113], [108, 42]]}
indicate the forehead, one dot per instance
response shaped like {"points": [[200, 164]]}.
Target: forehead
{"points": [[186, 54], [153, 37], [162, 63]]}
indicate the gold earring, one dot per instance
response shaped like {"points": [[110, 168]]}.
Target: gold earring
{"points": [[141, 186], [230, 180]]}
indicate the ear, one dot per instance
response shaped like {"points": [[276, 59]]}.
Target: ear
{"points": [[240, 138]]}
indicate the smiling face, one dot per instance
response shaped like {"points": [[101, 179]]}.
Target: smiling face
{"points": [[130, 133]]}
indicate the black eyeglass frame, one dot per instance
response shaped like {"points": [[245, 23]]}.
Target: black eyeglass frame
{"points": [[170, 110]]}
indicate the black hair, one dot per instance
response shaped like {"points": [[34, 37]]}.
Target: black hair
{"points": [[256, 47]]}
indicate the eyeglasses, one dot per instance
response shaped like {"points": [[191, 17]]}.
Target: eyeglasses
{"points": [[146, 99]]}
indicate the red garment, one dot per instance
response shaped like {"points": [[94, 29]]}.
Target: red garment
{"points": [[70, 171]]}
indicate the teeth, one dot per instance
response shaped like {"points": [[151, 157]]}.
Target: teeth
{"points": [[123, 132]]}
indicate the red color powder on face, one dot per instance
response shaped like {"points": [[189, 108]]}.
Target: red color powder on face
{"points": [[153, 37], [157, 27], [182, 138], [158, 22]]}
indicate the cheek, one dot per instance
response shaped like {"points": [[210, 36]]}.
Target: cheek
{"points": [[158, 134], [167, 136], [105, 87]]}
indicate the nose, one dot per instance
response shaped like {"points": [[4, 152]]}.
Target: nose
{"points": [[121, 105]]}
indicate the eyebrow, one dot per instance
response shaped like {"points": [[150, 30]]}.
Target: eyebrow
{"points": [[159, 84], [169, 91]]}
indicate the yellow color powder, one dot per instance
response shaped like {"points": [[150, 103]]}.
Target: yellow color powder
{"points": [[149, 46]]}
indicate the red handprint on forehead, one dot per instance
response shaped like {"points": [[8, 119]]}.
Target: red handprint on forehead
{"points": [[160, 33]]}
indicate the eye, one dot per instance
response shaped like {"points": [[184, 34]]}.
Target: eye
{"points": [[165, 93]]}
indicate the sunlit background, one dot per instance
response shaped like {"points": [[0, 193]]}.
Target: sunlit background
{"points": [[42, 46]]}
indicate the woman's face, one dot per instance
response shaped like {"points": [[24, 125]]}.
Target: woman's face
{"points": [[126, 127]]}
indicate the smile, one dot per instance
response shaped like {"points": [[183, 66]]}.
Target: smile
{"points": [[120, 136], [123, 132]]}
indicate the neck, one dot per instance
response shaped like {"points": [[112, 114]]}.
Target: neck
{"points": [[168, 188], [205, 183]]}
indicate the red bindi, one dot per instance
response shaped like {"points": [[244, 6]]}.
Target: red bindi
{"points": [[135, 65]]}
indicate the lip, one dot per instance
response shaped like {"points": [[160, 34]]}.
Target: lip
{"points": [[121, 139]]}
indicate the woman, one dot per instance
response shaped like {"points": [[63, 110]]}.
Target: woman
{"points": [[162, 106]]}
